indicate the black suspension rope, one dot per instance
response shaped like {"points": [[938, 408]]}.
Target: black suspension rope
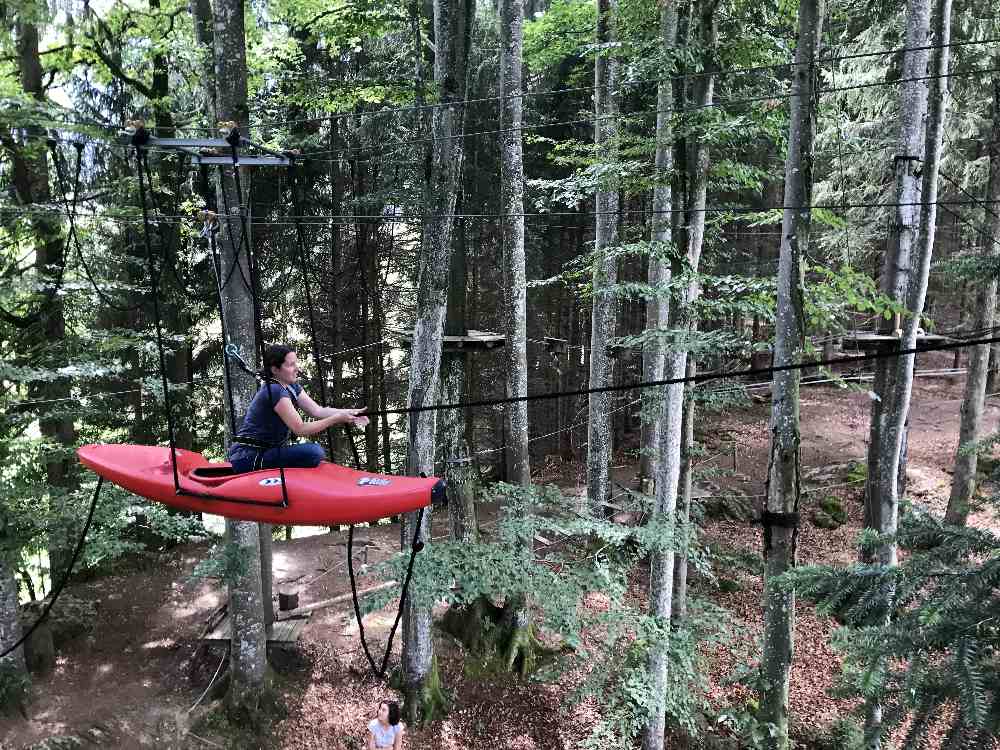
{"points": [[209, 232], [415, 546], [172, 260], [140, 137], [234, 140], [87, 272], [314, 339], [72, 562]]}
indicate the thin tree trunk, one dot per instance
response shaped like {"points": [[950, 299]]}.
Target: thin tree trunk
{"points": [[658, 309], [13, 670], [248, 652], [204, 36], [512, 240], [963, 484], [602, 325], [917, 185], [679, 604], [661, 563], [780, 519], [453, 21]]}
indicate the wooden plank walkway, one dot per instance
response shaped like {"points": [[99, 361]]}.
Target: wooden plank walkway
{"points": [[283, 631]]}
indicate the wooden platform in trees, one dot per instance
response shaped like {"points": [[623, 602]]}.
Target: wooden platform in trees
{"points": [[472, 341], [868, 342], [283, 631]]}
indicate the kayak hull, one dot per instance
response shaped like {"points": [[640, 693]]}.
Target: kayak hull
{"points": [[327, 495]]}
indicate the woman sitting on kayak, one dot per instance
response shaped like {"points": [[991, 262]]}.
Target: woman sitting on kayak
{"points": [[259, 444]]}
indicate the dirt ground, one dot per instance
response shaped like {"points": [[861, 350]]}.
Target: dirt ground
{"points": [[135, 677]]}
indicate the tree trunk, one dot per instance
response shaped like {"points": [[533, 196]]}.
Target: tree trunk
{"points": [[907, 272], [602, 323], [963, 484], [661, 563], [453, 21], [780, 519], [658, 310], [13, 670], [679, 604], [512, 240], [204, 36], [30, 182], [248, 652]]}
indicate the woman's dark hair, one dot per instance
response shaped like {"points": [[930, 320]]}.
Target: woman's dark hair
{"points": [[393, 712], [274, 356]]}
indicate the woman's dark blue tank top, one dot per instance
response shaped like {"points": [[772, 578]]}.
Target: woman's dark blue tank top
{"points": [[261, 422]]}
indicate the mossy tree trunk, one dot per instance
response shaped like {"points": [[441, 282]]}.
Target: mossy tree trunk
{"points": [[453, 21], [906, 271], [603, 313], [780, 518], [659, 270], [248, 652], [963, 484], [671, 406]]}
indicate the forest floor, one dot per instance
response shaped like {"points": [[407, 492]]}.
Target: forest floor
{"points": [[133, 678]]}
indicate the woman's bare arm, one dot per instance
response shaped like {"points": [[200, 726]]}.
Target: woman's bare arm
{"points": [[293, 421], [397, 744], [310, 407]]}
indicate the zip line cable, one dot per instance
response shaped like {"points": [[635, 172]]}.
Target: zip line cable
{"points": [[783, 95], [324, 220], [698, 378], [327, 117]]}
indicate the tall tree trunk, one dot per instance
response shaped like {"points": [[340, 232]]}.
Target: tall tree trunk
{"points": [[30, 182], [248, 652], [678, 609], [453, 20], [13, 671], [780, 518], [963, 483], [916, 218], [512, 241], [671, 407], [204, 36], [602, 323], [658, 309]]}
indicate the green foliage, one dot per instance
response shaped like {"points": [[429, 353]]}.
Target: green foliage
{"points": [[558, 34], [227, 562], [935, 644], [593, 558]]}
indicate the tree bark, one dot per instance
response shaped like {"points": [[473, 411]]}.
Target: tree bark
{"points": [[963, 483], [204, 36], [603, 317], [453, 20], [512, 240], [658, 309], [678, 609], [916, 184], [248, 652], [13, 670], [30, 182], [782, 495], [671, 407]]}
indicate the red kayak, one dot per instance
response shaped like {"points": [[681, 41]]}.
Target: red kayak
{"points": [[325, 496]]}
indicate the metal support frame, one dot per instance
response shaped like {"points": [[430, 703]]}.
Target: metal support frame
{"points": [[195, 147]]}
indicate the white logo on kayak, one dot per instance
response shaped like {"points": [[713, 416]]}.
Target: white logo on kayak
{"points": [[269, 482], [373, 482]]}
